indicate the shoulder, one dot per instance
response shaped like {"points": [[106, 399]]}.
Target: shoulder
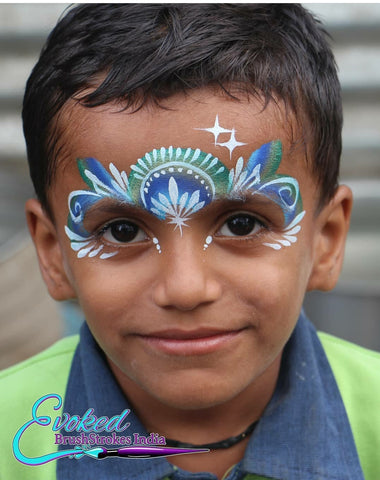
{"points": [[21, 386], [42, 374], [352, 365], [43, 370], [357, 373]]}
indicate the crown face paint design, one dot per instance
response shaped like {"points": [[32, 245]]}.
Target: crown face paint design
{"points": [[174, 183]]}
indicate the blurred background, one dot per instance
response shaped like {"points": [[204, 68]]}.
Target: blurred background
{"points": [[30, 320]]}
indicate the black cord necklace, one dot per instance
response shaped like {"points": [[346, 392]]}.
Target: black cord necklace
{"points": [[227, 443]]}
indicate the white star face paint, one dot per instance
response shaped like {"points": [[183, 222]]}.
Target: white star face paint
{"points": [[216, 130], [174, 183]]}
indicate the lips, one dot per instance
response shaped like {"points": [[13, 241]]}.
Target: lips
{"points": [[193, 342]]}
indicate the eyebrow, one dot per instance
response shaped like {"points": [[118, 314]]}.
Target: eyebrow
{"points": [[112, 206], [253, 199]]}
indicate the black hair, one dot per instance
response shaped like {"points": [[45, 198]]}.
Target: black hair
{"points": [[148, 52]]}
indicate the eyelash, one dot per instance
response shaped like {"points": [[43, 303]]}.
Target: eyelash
{"points": [[105, 229], [255, 224]]}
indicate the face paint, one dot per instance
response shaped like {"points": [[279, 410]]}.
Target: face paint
{"points": [[156, 242], [207, 242], [216, 130], [174, 183]]}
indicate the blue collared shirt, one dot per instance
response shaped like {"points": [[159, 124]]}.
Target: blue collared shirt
{"points": [[304, 433]]}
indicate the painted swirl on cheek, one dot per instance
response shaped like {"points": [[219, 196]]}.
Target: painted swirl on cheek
{"points": [[174, 183]]}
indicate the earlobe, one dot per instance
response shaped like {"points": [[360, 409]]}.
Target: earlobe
{"points": [[329, 240], [49, 253]]}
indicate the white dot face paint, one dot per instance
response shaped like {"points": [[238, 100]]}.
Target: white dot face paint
{"points": [[155, 241], [174, 183], [207, 242]]}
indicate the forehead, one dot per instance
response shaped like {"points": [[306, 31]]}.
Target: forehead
{"points": [[226, 128]]}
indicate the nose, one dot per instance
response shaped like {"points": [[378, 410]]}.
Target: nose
{"points": [[186, 279]]}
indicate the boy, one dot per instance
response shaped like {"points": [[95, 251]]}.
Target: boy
{"points": [[185, 160]]}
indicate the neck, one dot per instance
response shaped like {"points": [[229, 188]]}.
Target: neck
{"points": [[204, 425], [207, 423]]}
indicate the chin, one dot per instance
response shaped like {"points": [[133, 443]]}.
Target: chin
{"points": [[194, 395], [193, 402]]}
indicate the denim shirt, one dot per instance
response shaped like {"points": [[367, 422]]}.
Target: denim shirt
{"points": [[303, 434]]}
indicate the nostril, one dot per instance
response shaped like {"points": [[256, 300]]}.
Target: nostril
{"points": [[187, 294]]}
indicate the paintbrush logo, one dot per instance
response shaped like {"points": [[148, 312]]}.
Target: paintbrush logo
{"points": [[87, 440], [100, 453]]}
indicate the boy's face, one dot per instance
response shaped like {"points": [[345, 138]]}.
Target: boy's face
{"points": [[191, 300]]}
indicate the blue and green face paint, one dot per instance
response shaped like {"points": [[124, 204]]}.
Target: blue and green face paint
{"points": [[174, 183]]}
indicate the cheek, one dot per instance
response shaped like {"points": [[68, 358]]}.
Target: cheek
{"points": [[108, 292], [274, 284]]}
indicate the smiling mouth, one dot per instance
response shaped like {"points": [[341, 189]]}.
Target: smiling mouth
{"points": [[196, 342]]}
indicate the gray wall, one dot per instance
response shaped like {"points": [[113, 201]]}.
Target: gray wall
{"points": [[352, 310]]}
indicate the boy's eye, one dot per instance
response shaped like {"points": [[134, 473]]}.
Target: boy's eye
{"points": [[239, 225], [123, 231]]}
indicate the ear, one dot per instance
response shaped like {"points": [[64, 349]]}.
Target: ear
{"points": [[48, 249], [329, 241]]}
